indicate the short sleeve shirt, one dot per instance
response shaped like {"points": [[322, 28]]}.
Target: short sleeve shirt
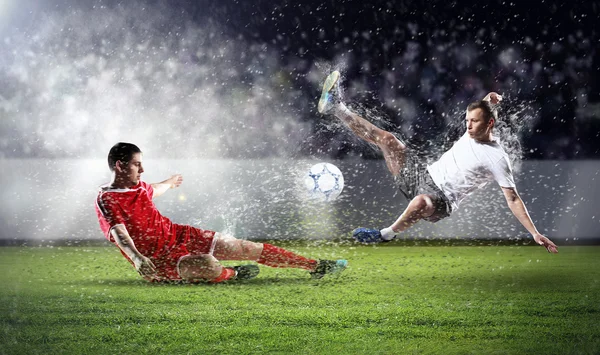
{"points": [[152, 233], [470, 165]]}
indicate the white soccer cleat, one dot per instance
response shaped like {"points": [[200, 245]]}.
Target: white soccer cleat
{"points": [[330, 94]]}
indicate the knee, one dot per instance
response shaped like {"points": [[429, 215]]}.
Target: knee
{"points": [[199, 267], [423, 205], [389, 140]]}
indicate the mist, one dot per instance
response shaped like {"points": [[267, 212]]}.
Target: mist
{"points": [[78, 81], [204, 88]]}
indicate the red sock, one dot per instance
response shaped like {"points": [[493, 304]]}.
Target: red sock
{"points": [[278, 257], [226, 274]]}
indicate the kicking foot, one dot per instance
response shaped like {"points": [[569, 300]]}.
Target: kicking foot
{"points": [[325, 267], [245, 272], [368, 236], [330, 95]]}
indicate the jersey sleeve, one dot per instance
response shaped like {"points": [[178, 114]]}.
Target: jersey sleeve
{"points": [[149, 189], [503, 174]]}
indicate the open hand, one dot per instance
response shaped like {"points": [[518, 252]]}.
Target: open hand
{"points": [[145, 267], [175, 180], [493, 98], [546, 243]]}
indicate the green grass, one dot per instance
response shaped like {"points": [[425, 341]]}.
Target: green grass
{"points": [[393, 299]]}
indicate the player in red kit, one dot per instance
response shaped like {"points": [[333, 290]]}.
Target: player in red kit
{"points": [[161, 250]]}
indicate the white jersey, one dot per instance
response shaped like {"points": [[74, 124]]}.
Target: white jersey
{"points": [[470, 165]]}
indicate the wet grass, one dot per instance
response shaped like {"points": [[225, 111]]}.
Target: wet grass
{"points": [[393, 299]]}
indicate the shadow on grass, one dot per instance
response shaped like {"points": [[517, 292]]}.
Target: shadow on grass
{"points": [[258, 282]]}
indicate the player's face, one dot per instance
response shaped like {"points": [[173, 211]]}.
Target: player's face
{"points": [[132, 170], [477, 127]]}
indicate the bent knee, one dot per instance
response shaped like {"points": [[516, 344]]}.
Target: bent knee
{"points": [[391, 142], [196, 267], [424, 205]]}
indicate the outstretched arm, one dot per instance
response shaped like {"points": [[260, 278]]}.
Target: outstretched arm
{"points": [[518, 208], [171, 183], [493, 97], [142, 264]]}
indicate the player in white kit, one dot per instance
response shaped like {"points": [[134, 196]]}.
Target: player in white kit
{"points": [[436, 190]]}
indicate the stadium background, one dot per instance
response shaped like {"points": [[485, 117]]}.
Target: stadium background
{"points": [[226, 92]]}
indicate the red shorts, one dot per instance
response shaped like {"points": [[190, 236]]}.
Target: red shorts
{"points": [[189, 241]]}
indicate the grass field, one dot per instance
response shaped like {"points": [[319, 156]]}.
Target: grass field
{"points": [[393, 299]]}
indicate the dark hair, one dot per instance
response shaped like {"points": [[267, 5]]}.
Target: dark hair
{"points": [[489, 111], [121, 152]]}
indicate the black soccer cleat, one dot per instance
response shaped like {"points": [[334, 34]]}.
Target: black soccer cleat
{"points": [[245, 272], [325, 267]]}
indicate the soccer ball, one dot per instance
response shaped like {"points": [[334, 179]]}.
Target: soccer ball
{"points": [[324, 181]]}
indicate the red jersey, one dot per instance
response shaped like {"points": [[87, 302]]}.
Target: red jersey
{"points": [[152, 233]]}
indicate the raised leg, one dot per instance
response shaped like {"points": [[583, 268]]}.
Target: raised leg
{"points": [[394, 151]]}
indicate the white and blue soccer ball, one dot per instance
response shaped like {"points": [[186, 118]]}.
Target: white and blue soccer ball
{"points": [[324, 181]]}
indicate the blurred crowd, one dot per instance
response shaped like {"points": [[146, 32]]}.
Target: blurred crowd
{"points": [[248, 75], [421, 64], [552, 87]]}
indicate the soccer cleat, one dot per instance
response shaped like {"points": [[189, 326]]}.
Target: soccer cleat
{"points": [[330, 94], [325, 267], [245, 272], [368, 236]]}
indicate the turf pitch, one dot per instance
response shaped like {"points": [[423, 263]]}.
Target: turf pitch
{"points": [[396, 298]]}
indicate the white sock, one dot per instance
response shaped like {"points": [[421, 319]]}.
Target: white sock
{"points": [[388, 233]]}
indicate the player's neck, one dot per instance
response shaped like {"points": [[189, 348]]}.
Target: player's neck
{"points": [[487, 138], [118, 183]]}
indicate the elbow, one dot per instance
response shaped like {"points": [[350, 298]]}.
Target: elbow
{"points": [[511, 196], [119, 235], [512, 201]]}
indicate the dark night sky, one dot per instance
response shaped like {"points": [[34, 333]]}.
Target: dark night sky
{"points": [[390, 50]]}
